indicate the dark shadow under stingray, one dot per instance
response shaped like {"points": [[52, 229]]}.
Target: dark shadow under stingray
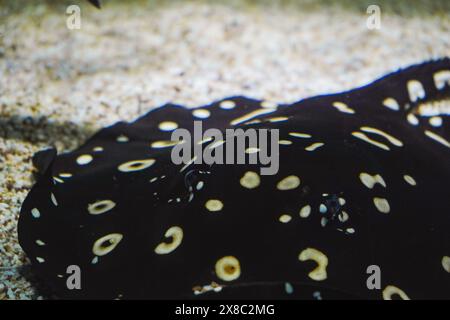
{"points": [[362, 180]]}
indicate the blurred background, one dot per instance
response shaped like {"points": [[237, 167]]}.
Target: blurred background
{"points": [[62, 79]]}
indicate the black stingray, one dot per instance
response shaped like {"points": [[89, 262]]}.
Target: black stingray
{"points": [[96, 3], [362, 181]]}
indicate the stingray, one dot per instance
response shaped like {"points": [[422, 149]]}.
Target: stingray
{"points": [[362, 185]]}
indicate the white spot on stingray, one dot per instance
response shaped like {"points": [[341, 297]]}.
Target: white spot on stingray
{"points": [[122, 138], [437, 138], [228, 268], [214, 205], [136, 165], [288, 183], [320, 272], [285, 142], [288, 288], [201, 113], [176, 233], [106, 244], [250, 180], [251, 115], [415, 90], [199, 185], [285, 218], [410, 180], [435, 121], [446, 263], [342, 107], [255, 121], [278, 119], [412, 119], [343, 216], [322, 208], [165, 144], [58, 180], [441, 78], [390, 138], [40, 242], [251, 150], [98, 149], [389, 291], [84, 159], [94, 260], [391, 103], [269, 104], [342, 201], [382, 205], [100, 207], [65, 175], [52, 196], [314, 146], [300, 135], [365, 138], [369, 181], [35, 213], [40, 259], [305, 211], [168, 126], [227, 104], [350, 230]]}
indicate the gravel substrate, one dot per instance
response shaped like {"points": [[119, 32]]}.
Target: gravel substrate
{"points": [[57, 86]]}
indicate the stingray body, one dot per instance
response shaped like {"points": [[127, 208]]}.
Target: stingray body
{"points": [[362, 185]]}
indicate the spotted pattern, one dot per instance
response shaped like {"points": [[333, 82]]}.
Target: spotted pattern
{"points": [[288, 183], [391, 291], [84, 159], [176, 235], [106, 244], [382, 205], [214, 205], [285, 218], [228, 268], [320, 272], [101, 206], [362, 179], [136, 165], [250, 180]]}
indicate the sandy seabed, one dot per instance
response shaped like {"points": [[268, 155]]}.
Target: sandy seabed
{"points": [[58, 86]]}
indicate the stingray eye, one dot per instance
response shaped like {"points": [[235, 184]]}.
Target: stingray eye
{"points": [[191, 178], [320, 272], [176, 233], [106, 244], [228, 268], [389, 291]]}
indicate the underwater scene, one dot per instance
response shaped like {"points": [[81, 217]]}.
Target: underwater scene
{"points": [[243, 150]]}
